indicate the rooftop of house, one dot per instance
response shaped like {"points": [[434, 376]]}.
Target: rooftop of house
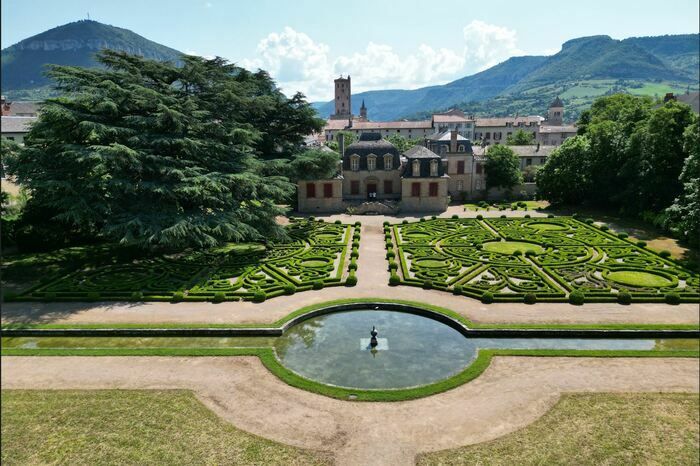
{"points": [[445, 136], [532, 150], [420, 152], [557, 129], [20, 108], [451, 116], [503, 121], [16, 124], [692, 99], [556, 103]]}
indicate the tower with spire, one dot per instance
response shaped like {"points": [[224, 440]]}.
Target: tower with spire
{"points": [[363, 111], [555, 113]]}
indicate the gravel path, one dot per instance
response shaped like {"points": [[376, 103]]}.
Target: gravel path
{"points": [[512, 393]]}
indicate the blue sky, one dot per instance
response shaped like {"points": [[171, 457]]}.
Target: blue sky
{"points": [[382, 44]]}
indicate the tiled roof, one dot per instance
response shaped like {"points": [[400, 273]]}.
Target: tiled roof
{"points": [[533, 150], [557, 129], [692, 99], [15, 124], [420, 152], [377, 125], [486, 122], [441, 118]]}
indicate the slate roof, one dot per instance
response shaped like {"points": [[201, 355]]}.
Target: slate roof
{"points": [[486, 122], [533, 150], [556, 103], [692, 99], [420, 152], [15, 124], [557, 129], [371, 143]]}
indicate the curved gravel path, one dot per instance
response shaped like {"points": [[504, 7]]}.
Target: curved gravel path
{"points": [[512, 393]]}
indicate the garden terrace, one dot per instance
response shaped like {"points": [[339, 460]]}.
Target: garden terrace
{"points": [[316, 257], [533, 259]]}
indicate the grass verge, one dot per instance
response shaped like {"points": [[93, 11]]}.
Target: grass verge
{"points": [[130, 427], [593, 429]]}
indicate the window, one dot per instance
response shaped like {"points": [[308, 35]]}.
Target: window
{"points": [[10, 138], [354, 162], [478, 184], [416, 168], [415, 189], [488, 135], [433, 168], [327, 190], [355, 187], [310, 190], [443, 149], [388, 187], [388, 161], [371, 162], [460, 167], [461, 148], [398, 130], [433, 189], [497, 136], [460, 186], [478, 168], [528, 162]]}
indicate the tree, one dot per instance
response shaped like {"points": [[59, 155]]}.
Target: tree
{"points": [[315, 164], [564, 178], [683, 216], [402, 143], [502, 168], [348, 138], [520, 138], [164, 156]]}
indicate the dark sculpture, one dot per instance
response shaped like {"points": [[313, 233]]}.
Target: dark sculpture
{"points": [[373, 341]]}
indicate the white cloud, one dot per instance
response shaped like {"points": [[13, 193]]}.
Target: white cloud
{"points": [[487, 44], [298, 63]]}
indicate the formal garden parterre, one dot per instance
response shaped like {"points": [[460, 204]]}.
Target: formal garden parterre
{"points": [[319, 254], [533, 259]]}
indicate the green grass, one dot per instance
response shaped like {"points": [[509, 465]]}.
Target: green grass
{"points": [[638, 278], [509, 247], [86, 427], [594, 429], [267, 357], [136, 342]]}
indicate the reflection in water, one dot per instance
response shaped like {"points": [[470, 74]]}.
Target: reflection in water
{"points": [[419, 350]]}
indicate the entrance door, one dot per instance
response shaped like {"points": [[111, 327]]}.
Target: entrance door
{"points": [[371, 190]]}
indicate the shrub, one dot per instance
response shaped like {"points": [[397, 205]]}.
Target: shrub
{"points": [[311, 219], [479, 217], [487, 297], [219, 296], [259, 296], [624, 297], [455, 216], [393, 265], [404, 222], [530, 298], [530, 252], [317, 285], [177, 296], [427, 284], [422, 220], [136, 296], [517, 252], [457, 289], [575, 215], [622, 235], [390, 254], [503, 216], [358, 224], [355, 244], [589, 221], [337, 222], [642, 244], [550, 215], [672, 298], [386, 224], [604, 227], [433, 217], [351, 280], [577, 298], [394, 280], [352, 265], [354, 254], [290, 289], [527, 215], [665, 253]]}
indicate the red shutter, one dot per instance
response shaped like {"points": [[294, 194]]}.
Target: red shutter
{"points": [[310, 190], [433, 189], [415, 189], [327, 190]]}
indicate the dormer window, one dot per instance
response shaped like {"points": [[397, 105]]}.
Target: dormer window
{"points": [[371, 162], [443, 149], [461, 148], [433, 168], [355, 162], [416, 168], [388, 162]]}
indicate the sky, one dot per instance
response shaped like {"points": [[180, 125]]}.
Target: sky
{"points": [[382, 44]]}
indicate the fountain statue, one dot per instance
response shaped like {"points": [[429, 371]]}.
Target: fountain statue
{"points": [[373, 341]]}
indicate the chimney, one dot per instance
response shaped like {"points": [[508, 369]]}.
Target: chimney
{"points": [[453, 140], [538, 147], [5, 105], [341, 144], [669, 96]]}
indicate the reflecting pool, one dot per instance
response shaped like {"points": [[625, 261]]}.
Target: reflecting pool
{"points": [[412, 350]]}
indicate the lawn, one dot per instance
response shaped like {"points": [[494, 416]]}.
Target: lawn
{"points": [[129, 427], [315, 257], [517, 205], [593, 429], [543, 259]]}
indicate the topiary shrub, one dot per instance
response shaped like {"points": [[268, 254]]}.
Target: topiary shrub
{"points": [[604, 227], [487, 297], [289, 289], [665, 254], [422, 220], [479, 217], [550, 215], [390, 254], [527, 215], [589, 221], [393, 265], [517, 252], [337, 222], [530, 252], [427, 284], [394, 280], [354, 254], [352, 265], [433, 217], [219, 297], [642, 244], [311, 219], [577, 298], [355, 244], [455, 216], [503, 216], [622, 235], [358, 224], [317, 285], [672, 298], [386, 224], [136, 296], [624, 297], [404, 222], [177, 296], [530, 298], [351, 280], [259, 296], [457, 289]]}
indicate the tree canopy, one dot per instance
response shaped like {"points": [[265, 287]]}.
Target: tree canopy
{"points": [[521, 138], [157, 155], [502, 168]]}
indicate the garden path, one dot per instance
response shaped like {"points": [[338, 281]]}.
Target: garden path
{"points": [[512, 393]]}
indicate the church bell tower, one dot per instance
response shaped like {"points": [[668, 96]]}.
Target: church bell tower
{"points": [[343, 99]]}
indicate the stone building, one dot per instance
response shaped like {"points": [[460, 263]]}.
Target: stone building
{"points": [[423, 181]]}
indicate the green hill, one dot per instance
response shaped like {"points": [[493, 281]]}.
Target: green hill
{"points": [[23, 64], [583, 69]]}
